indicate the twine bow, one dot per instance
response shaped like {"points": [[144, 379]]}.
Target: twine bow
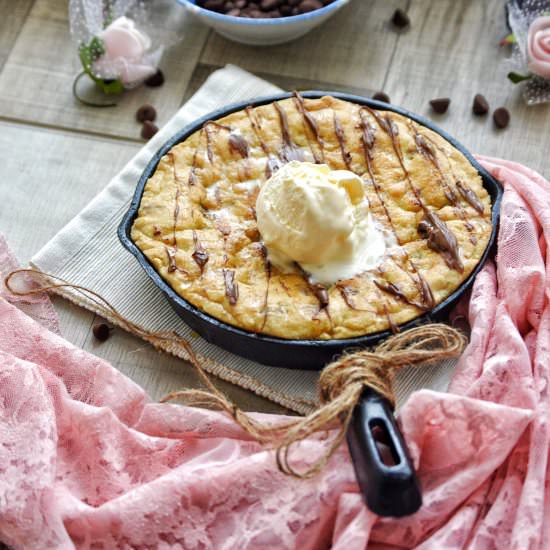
{"points": [[341, 382]]}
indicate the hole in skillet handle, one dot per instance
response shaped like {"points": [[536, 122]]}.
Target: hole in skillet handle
{"points": [[387, 480]]}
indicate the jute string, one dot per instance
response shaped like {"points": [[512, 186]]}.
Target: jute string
{"points": [[341, 382]]}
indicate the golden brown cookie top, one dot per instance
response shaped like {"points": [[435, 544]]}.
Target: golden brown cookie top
{"points": [[197, 226]]}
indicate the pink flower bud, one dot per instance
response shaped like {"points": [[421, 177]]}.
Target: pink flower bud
{"points": [[125, 54], [538, 47]]}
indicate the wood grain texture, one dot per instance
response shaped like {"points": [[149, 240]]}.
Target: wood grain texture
{"points": [[452, 51], [353, 48], [11, 22], [48, 176], [35, 84], [203, 71]]}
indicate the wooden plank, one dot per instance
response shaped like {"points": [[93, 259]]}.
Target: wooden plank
{"points": [[13, 17], [353, 48], [35, 84], [48, 176], [203, 71], [452, 51]]}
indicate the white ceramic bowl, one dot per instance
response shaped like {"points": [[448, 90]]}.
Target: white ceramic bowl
{"points": [[263, 32]]}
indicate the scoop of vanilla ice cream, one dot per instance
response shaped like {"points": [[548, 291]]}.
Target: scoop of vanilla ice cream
{"points": [[318, 218]]}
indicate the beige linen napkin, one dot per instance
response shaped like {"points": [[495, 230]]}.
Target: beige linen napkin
{"points": [[87, 252]]}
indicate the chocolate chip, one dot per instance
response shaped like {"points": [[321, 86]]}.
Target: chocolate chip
{"points": [[440, 105], [101, 331], [268, 5], [214, 5], [148, 130], [381, 96], [400, 19], [501, 116], [263, 8], [480, 105], [306, 6], [255, 14], [146, 112], [156, 80]]}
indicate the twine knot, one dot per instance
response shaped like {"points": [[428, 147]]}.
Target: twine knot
{"points": [[349, 374]]}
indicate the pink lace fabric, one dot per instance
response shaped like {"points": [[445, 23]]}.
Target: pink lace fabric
{"points": [[88, 461], [37, 306]]}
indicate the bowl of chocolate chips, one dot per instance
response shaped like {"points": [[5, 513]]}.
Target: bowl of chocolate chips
{"points": [[263, 22]]}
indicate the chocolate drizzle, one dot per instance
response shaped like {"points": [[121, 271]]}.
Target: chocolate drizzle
{"points": [[441, 239], [368, 137], [273, 163], [199, 254], [338, 130], [170, 155], [238, 144], [426, 149], [217, 125], [192, 179], [310, 122], [470, 197], [346, 292], [426, 292], [393, 289], [231, 287], [255, 124], [392, 130], [318, 290], [176, 214], [321, 294], [289, 151], [209, 152], [393, 327], [171, 253], [206, 128], [382, 122]]}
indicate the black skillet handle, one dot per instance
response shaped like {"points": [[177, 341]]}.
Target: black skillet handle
{"points": [[389, 489]]}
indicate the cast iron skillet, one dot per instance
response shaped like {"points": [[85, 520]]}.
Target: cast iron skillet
{"points": [[389, 489]]}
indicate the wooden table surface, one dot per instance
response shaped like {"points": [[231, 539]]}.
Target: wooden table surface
{"points": [[57, 154]]}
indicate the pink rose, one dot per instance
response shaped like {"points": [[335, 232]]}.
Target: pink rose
{"points": [[538, 47], [125, 54]]}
